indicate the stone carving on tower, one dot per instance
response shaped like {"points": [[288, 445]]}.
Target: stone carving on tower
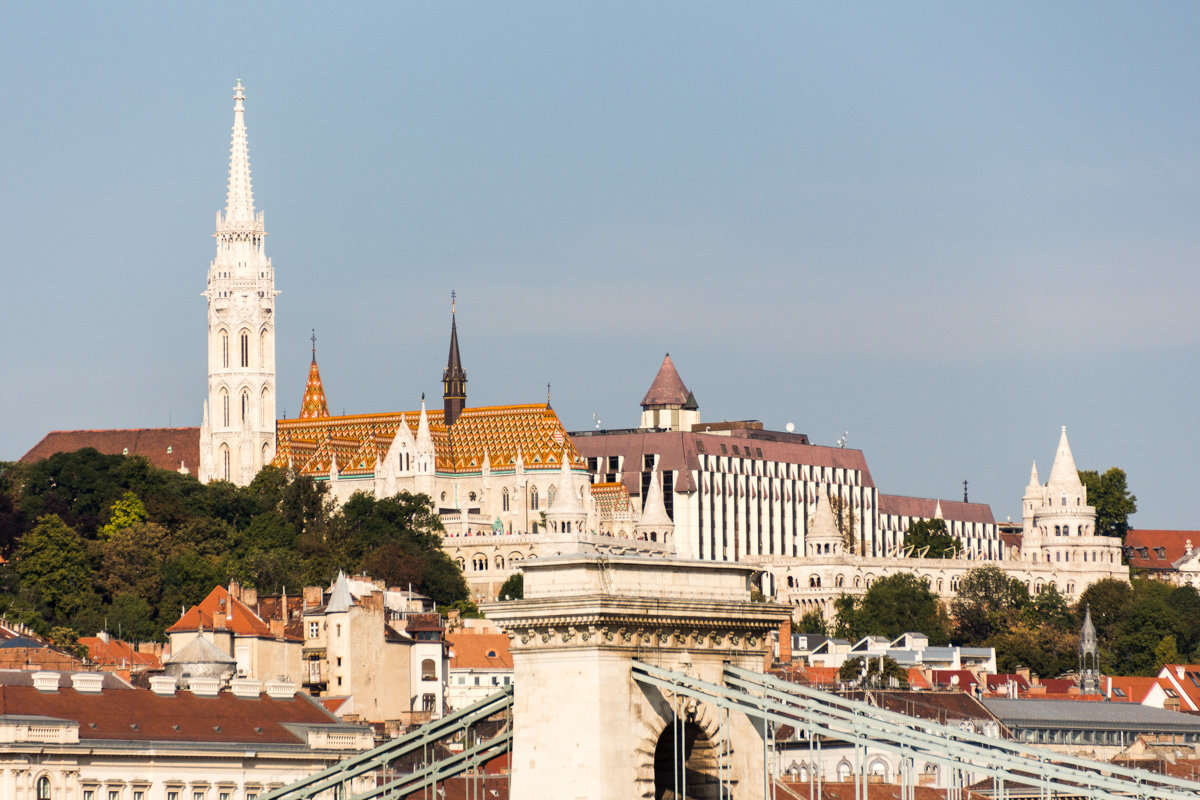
{"points": [[238, 434]]}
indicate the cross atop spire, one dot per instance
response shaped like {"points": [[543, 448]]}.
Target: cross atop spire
{"points": [[314, 345]]}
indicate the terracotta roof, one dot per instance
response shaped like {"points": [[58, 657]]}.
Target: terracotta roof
{"points": [[220, 611], [667, 388], [940, 706], [313, 406], [1131, 689], [360, 441], [165, 448], [946, 679], [1184, 679], [142, 715], [470, 650], [922, 507], [116, 653], [1158, 550]]}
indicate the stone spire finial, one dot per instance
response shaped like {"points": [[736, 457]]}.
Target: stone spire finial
{"points": [[239, 200], [1034, 481]]}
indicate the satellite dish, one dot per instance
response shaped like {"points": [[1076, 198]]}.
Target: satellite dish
{"points": [[790, 427], [954, 680]]}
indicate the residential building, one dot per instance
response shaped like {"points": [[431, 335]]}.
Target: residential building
{"points": [[1170, 556], [480, 663]]}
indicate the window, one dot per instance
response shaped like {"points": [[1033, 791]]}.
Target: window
{"points": [[224, 349], [43, 788], [244, 340], [89, 794], [225, 457], [198, 794], [339, 661], [339, 629], [225, 408], [115, 794], [245, 404], [428, 702], [172, 795], [533, 498], [314, 630], [428, 670]]}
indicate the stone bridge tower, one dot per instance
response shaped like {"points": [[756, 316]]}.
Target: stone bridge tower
{"points": [[583, 727]]}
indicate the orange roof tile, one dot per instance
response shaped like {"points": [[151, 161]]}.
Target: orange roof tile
{"points": [[116, 653], [165, 448], [221, 611], [469, 650], [314, 406], [359, 441]]}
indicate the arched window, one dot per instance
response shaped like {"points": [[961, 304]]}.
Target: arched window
{"points": [[550, 493], [262, 408], [43, 788], [244, 342], [504, 499], [225, 408], [245, 404], [479, 563], [839, 581], [533, 498], [499, 562], [262, 348], [428, 670], [225, 462], [224, 348]]}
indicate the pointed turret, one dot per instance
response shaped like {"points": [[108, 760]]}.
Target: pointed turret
{"points": [[1087, 634], [937, 510], [668, 403], [823, 537], [566, 513], [424, 444], [239, 199], [340, 599], [1089, 656], [654, 511], [454, 379], [1064, 474], [313, 406]]}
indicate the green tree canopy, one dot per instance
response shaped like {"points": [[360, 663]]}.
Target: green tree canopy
{"points": [[882, 672], [513, 587], [987, 602], [1114, 503], [893, 605], [928, 538], [54, 571]]}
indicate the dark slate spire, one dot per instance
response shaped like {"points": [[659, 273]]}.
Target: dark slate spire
{"points": [[454, 379]]}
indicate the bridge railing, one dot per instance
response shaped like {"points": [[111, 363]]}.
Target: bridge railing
{"points": [[373, 765], [822, 714]]}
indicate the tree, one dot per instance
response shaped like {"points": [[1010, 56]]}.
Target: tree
{"points": [[988, 600], [893, 605], [1114, 503], [126, 512], [394, 566], [846, 522], [812, 622], [877, 672], [1107, 599], [928, 538], [1045, 651], [513, 587], [55, 576], [131, 561]]}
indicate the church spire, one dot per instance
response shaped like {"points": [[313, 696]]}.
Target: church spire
{"points": [[1064, 474], [314, 406], [239, 200], [454, 379]]}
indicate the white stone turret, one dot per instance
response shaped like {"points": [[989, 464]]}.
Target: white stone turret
{"points": [[239, 435], [424, 455], [823, 537], [654, 523], [566, 513], [398, 461], [1031, 501]]}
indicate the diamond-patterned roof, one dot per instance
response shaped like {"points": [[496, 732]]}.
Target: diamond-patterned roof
{"points": [[314, 406], [359, 441]]}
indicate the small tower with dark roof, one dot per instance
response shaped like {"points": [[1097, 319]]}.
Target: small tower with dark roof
{"points": [[1089, 656], [669, 404], [454, 379]]}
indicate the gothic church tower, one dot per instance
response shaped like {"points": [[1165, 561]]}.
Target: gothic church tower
{"points": [[238, 434]]}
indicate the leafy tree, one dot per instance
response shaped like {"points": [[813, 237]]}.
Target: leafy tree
{"points": [[131, 618], [1109, 494], [1047, 652], [846, 522], [1049, 610], [812, 622], [893, 605], [1166, 652], [126, 512], [187, 577], [881, 672], [55, 576], [68, 640], [1107, 599], [513, 587], [987, 602], [395, 566], [929, 536], [1145, 623], [131, 561]]}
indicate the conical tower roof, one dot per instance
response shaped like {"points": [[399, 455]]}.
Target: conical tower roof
{"points": [[667, 388], [239, 198], [823, 525], [566, 502], [314, 406], [339, 598], [1034, 481], [1064, 473], [654, 510], [1087, 634]]}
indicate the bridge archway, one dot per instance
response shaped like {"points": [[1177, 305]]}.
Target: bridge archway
{"points": [[689, 744]]}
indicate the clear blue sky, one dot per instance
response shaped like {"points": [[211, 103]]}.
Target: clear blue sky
{"points": [[945, 228]]}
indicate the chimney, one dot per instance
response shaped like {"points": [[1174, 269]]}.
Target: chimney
{"points": [[204, 687], [235, 590], [785, 641], [249, 596], [45, 681], [163, 685], [87, 682], [313, 596], [245, 687], [1179, 672], [276, 628], [279, 689]]}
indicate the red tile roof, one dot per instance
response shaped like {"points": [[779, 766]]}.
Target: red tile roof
{"points": [[1133, 690], [165, 448], [667, 388], [1184, 679], [220, 611], [1158, 550], [140, 714], [116, 653], [470, 650]]}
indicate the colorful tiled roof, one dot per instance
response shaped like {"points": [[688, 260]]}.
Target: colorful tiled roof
{"points": [[165, 448], [314, 406], [667, 388], [359, 441]]}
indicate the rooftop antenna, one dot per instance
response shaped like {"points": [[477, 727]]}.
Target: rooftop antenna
{"points": [[790, 427], [845, 438], [965, 492], [597, 420]]}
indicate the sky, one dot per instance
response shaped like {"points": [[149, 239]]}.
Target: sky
{"points": [[944, 230]]}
